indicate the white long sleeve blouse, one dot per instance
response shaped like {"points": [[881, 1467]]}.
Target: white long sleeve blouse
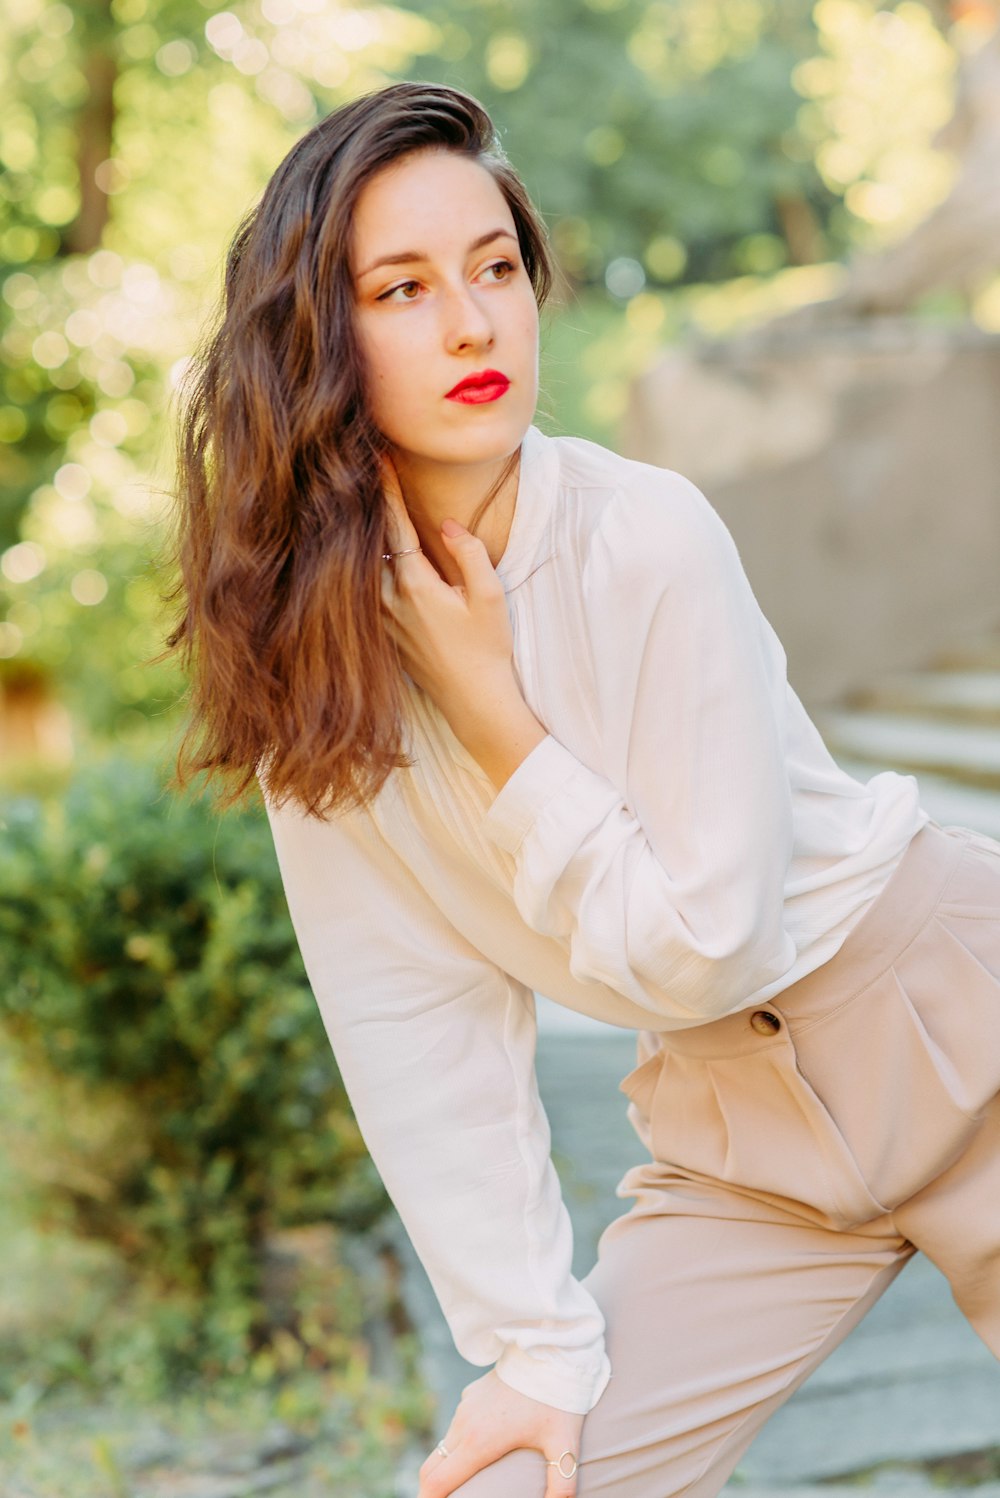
{"points": [[681, 845]]}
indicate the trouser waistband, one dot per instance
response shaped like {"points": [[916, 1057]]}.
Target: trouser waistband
{"points": [[886, 928]]}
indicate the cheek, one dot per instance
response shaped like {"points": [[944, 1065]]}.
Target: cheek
{"points": [[390, 363], [527, 322]]}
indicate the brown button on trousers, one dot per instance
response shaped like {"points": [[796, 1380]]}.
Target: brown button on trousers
{"points": [[798, 1162]]}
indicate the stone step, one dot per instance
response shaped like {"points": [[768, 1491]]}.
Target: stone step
{"points": [[967, 752], [949, 801], [973, 696], [913, 1419], [912, 1383], [978, 652], [896, 1481]]}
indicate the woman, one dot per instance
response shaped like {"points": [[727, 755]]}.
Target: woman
{"points": [[520, 725]]}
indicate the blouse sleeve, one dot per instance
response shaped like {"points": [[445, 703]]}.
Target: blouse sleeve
{"points": [[436, 1048], [664, 877]]}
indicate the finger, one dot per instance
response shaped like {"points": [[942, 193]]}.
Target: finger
{"points": [[394, 572], [401, 530], [404, 579], [392, 605], [390, 477], [441, 1474], [391, 487], [397, 574], [557, 1485], [478, 573]]}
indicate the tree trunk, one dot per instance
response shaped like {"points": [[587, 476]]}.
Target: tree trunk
{"points": [[957, 247], [800, 229], [95, 125]]}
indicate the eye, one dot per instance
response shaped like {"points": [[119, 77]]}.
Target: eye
{"points": [[507, 266], [403, 286]]}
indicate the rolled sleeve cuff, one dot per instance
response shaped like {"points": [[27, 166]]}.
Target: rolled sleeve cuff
{"points": [[542, 774], [561, 1387]]}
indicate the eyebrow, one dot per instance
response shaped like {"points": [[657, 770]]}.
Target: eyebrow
{"points": [[406, 257]]}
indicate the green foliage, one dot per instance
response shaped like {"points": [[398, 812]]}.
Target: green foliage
{"points": [[150, 982], [634, 122], [684, 141]]}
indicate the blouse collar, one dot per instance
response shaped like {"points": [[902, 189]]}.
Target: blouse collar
{"points": [[537, 486]]}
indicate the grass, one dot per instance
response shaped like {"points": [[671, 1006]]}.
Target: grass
{"points": [[301, 1420], [314, 1437]]}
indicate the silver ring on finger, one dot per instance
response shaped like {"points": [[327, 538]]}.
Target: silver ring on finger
{"points": [[442, 1448], [559, 1465]]}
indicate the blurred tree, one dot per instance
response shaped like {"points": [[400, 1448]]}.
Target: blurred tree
{"points": [[134, 134], [664, 132], [95, 124], [928, 220], [671, 143], [947, 239]]}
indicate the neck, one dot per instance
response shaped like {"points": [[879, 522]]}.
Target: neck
{"points": [[433, 491]]}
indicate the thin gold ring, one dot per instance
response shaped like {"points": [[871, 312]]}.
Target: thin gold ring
{"points": [[559, 1467]]}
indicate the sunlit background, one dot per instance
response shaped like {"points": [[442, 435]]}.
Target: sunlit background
{"points": [[699, 162], [703, 165]]}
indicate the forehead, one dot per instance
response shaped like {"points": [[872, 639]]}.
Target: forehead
{"points": [[428, 199]]}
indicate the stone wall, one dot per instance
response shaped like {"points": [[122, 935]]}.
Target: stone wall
{"points": [[858, 469]]}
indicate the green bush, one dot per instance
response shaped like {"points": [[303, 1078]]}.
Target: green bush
{"points": [[151, 985]]}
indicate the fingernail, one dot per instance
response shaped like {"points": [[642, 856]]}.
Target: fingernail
{"points": [[451, 527]]}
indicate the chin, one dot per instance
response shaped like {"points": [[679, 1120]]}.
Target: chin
{"points": [[468, 441]]}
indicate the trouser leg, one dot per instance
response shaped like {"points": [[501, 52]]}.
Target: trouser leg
{"points": [[718, 1306], [955, 1221], [877, 1098]]}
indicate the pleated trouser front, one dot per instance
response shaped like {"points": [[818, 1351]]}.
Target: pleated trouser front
{"points": [[801, 1154]]}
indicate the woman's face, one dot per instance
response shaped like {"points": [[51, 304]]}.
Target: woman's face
{"points": [[454, 302]]}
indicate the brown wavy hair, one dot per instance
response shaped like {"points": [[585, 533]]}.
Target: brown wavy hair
{"points": [[281, 521]]}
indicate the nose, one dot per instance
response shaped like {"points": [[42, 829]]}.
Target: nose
{"points": [[467, 322]]}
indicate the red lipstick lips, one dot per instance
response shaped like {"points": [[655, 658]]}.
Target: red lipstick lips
{"points": [[489, 385]]}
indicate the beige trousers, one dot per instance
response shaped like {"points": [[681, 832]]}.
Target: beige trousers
{"points": [[799, 1160]]}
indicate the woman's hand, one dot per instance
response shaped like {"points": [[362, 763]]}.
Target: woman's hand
{"points": [[455, 641], [492, 1420], [454, 638]]}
